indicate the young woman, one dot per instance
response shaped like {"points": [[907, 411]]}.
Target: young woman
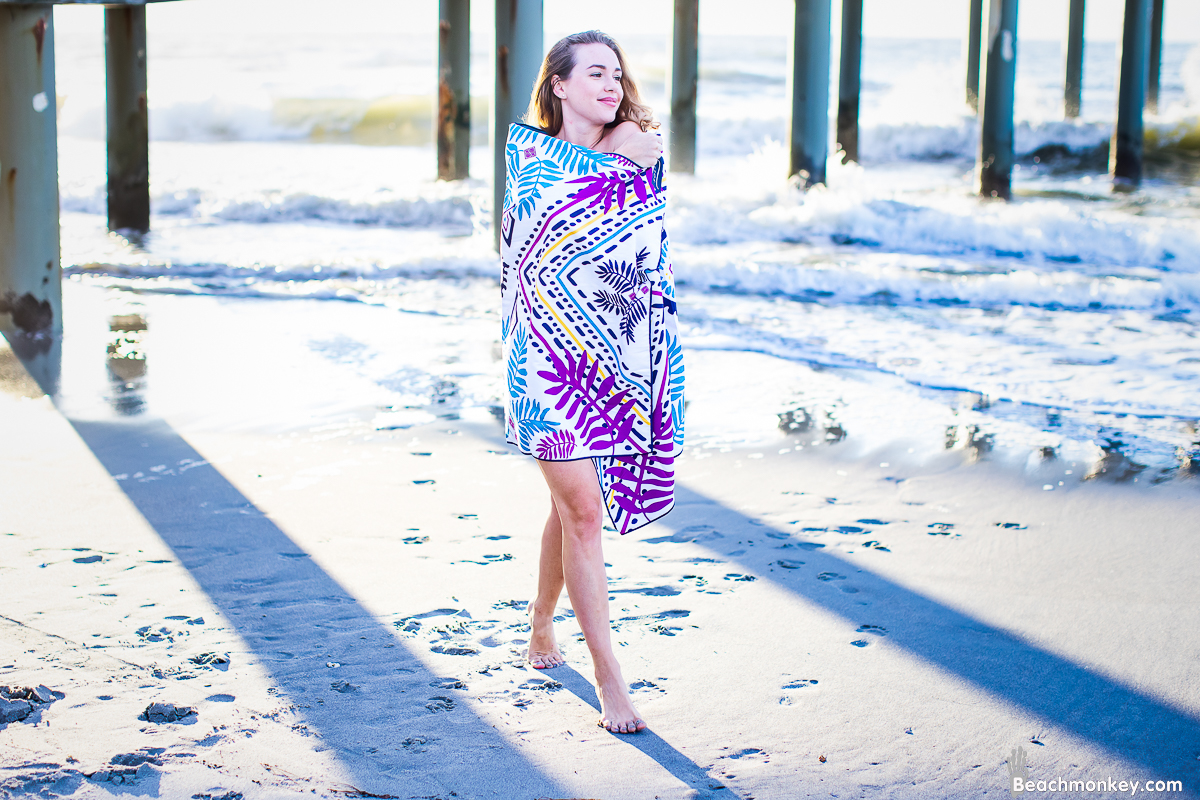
{"points": [[595, 373]]}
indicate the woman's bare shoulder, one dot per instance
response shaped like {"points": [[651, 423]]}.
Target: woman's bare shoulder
{"points": [[618, 135]]}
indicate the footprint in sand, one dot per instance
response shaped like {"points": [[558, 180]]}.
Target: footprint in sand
{"points": [[692, 533], [1016, 526], [860, 643], [416, 744], [873, 522], [88, 559], [735, 576], [941, 529], [878, 630], [792, 686], [830, 576], [788, 563], [454, 650], [448, 683], [437, 704], [847, 529], [415, 539], [649, 591], [647, 687], [541, 684], [344, 687], [875, 545]]}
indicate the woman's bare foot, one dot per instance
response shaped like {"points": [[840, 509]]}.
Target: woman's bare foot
{"points": [[617, 712], [543, 652]]}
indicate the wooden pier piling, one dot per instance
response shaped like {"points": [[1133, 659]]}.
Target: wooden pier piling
{"points": [[808, 89], [128, 120], [849, 79], [1155, 66], [685, 66], [1125, 153], [995, 162], [974, 36], [518, 59], [30, 272], [1073, 81], [454, 90]]}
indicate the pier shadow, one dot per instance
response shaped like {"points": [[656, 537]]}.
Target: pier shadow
{"points": [[650, 743], [356, 685], [1128, 724]]}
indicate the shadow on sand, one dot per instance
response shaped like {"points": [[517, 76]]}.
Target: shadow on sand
{"points": [[1128, 724], [295, 618]]}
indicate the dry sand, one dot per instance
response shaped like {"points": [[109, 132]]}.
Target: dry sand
{"points": [[342, 611]]}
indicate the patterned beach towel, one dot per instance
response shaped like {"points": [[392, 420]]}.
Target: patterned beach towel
{"points": [[595, 369]]}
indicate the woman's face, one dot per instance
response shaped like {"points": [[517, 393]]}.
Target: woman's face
{"points": [[593, 89]]}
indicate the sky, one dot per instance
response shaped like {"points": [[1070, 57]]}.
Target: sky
{"points": [[941, 19], [936, 19]]}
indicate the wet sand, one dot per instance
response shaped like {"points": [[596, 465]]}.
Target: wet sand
{"points": [[341, 606]]}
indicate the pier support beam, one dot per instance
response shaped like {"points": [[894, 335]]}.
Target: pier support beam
{"points": [[808, 89], [1125, 154], [30, 272], [849, 79], [974, 36], [454, 89], [685, 67], [1155, 68], [995, 163], [1073, 82], [128, 120], [518, 59]]}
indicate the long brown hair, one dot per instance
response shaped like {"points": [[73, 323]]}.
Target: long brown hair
{"points": [[545, 109]]}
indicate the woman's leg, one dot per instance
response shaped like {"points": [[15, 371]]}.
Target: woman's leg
{"points": [[543, 649], [576, 495]]}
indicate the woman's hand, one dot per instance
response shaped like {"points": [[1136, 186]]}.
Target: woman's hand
{"points": [[642, 148]]}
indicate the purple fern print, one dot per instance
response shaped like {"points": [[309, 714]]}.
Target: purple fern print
{"points": [[556, 447]]}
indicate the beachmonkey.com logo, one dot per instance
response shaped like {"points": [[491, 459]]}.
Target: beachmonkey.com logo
{"points": [[1020, 784], [1018, 773]]}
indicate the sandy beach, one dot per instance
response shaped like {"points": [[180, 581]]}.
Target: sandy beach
{"points": [[336, 609]]}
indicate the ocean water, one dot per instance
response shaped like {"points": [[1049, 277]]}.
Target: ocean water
{"points": [[890, 312]]}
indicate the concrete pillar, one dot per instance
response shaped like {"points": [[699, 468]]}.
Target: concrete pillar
{"points": [[454, 89], [974, 34], [128, 121], [518, 59], [995, 163], [1125, 153], [808, 88], [1073, 84], [848, 79], [30, 272], [685, 67], [1155, 68]]}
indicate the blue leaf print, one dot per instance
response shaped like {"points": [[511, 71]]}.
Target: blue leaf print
{"points": [[537, 174], [516, 363], [531, 418], [513, 160], [572, 158], [675, 365]]}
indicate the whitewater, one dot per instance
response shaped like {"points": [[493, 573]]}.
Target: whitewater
{"points": [[889, 311]]}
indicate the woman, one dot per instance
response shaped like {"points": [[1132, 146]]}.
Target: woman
{"points": [[595, 372]]}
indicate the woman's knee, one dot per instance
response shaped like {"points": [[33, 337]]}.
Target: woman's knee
{"points": [[581, 517]]}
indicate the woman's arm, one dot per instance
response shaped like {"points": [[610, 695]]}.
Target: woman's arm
{"points": [[629, 140]]}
